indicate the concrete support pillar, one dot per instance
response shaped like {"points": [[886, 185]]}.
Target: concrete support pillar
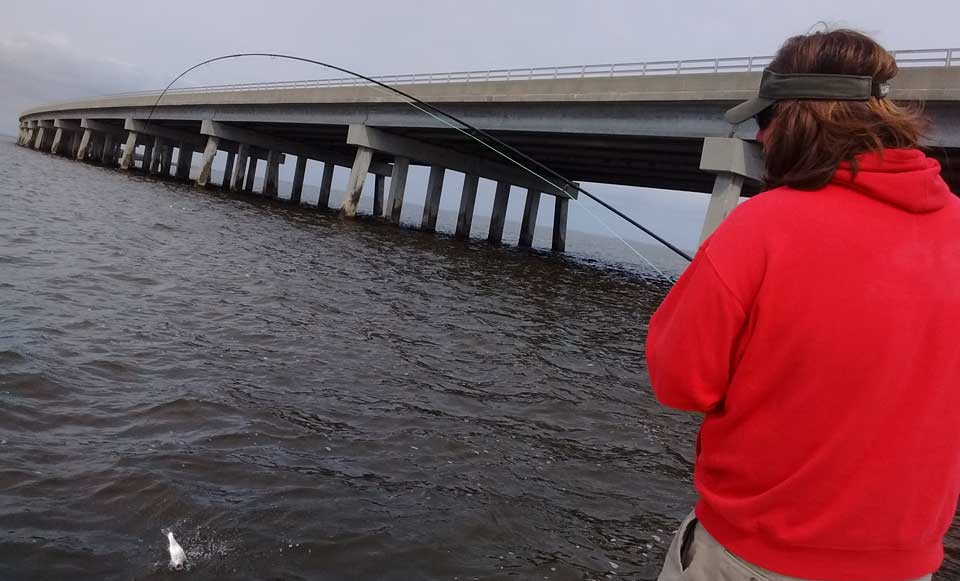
{"points": [[228, 171], [271, 178], [147, 156], [129, 151], [84, 147], [431, 205], [251, 172], [726, 194], [358, 174], [499, 215], [398, 185], [732, 160], [240, 169], [299, 173], [560, 210], [468, 199], [106, 156], [98, 147], [379, 183], [326, 183], [75, 139], [528, 226], [166, 160], [206, 161], [38, 142], [184, 161], [156, 157], [57, 142]]}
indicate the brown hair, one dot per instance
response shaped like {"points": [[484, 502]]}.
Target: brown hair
{"points": [[807, 140]]}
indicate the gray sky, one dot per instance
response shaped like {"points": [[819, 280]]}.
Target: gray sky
{"points": [[52, 50]]}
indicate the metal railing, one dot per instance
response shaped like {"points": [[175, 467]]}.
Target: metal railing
{"points": [[944, 57]]}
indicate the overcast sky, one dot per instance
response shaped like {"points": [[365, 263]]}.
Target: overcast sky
{"points": [[53, 50]]}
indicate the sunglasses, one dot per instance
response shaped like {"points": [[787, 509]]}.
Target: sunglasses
{"points": [[764, 118]]}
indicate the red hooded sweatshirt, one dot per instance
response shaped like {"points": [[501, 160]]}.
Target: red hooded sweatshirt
{"points": [[819, 331]]}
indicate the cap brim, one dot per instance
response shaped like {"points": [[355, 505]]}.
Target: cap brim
{"points": [[747, 109]]}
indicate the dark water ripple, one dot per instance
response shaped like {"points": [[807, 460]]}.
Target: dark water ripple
{"points": [[300, 397]]}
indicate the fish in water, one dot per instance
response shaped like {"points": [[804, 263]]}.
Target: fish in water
{"points": [[177, 556]]}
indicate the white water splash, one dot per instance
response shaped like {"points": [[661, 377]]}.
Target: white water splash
{"points": [[177, 556]]}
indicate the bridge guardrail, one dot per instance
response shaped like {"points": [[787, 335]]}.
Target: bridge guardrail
{"points": [[945, 57]]}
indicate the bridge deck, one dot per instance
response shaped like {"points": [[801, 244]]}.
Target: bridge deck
{"points": [[639, 131]]}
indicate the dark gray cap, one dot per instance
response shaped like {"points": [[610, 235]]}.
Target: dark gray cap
{"points": [[776, 87]]}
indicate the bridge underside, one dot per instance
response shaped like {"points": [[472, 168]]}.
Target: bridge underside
{"points": [[648, 144], [671, 163], [647, 132], [656, 162]]}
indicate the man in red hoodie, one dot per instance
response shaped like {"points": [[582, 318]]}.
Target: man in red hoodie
{"points": [[819, 331]]}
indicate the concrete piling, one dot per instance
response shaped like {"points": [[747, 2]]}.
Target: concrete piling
{"points": [[251, 171], [271, 177], [298, 175], [326, 183], [156, 156], [84, 146], [166, 160], [732, 160], [106, 155], [378, 186], [240, 169], [75, 139], [431, 204], [184, 161], [398, 185], [57, 140], [206, 161], [560, 210], [228, 171], [723, 199], [468, 199], [129, 151], [147, 156], [358, 174], [528, 225], [499, 214]]}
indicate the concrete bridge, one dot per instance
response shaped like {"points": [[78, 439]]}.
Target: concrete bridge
{"points": [[653, 124]]}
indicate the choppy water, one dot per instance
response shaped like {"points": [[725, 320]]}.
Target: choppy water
{"points": [[301, 397]]}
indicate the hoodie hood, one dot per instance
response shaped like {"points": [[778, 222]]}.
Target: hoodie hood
{"points": [[905, 178]]}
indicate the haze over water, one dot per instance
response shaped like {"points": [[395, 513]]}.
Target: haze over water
{"points": [[302, 397]]}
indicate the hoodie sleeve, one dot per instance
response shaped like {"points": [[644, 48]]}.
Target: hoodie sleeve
{"points": [[692, 338], [695, 337]]}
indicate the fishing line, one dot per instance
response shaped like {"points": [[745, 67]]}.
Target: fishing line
{"points": [[472, 133]]}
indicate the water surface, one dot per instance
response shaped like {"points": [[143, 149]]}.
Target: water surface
{"points": [[301, 397]]}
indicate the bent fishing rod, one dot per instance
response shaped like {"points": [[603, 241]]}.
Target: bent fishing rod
{"points": [[491, 142]]}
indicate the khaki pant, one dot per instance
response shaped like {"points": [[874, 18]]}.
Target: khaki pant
{"points": [[694, 555]]}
